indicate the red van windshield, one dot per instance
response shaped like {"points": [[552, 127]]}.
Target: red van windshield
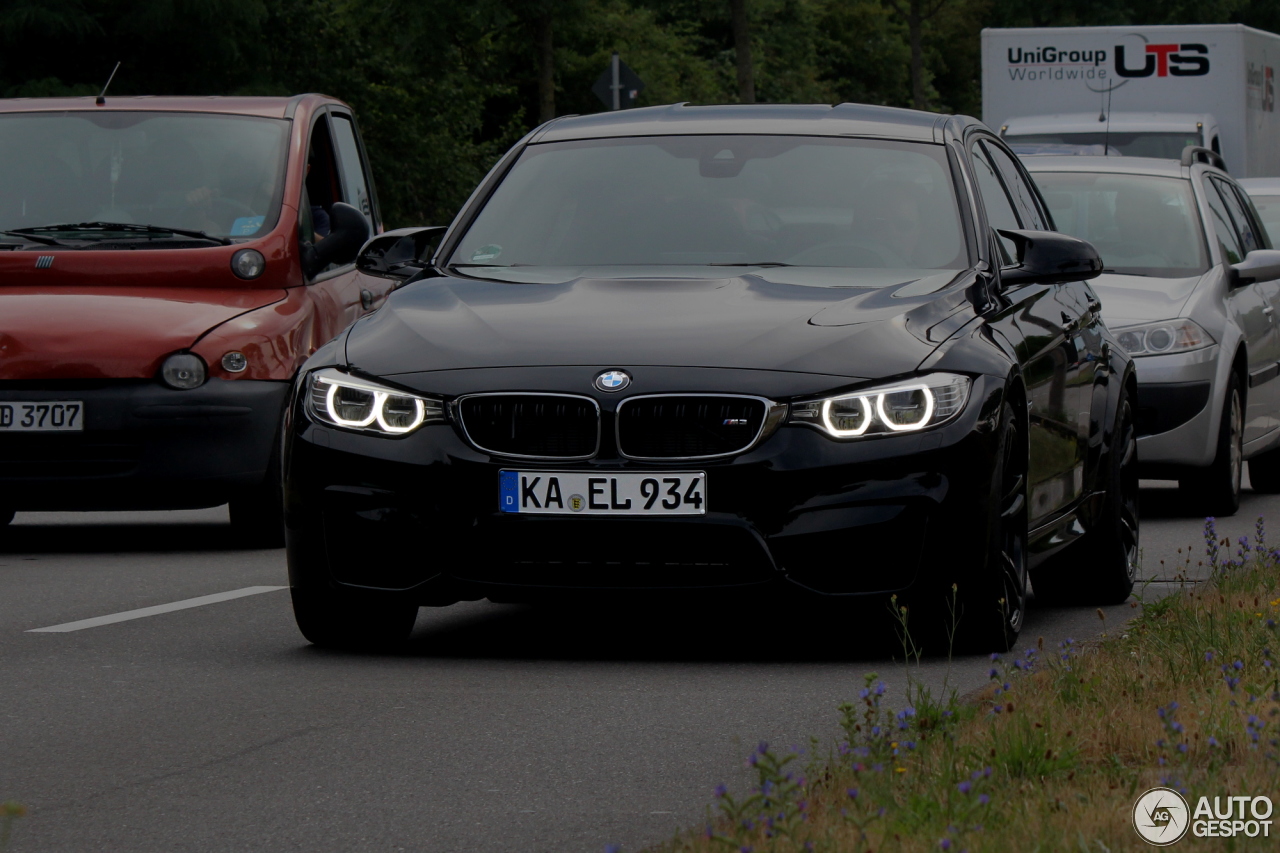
{"points": [[221, 174]]}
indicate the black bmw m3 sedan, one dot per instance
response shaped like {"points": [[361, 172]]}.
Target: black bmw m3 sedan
{"points": [[689, 351]]}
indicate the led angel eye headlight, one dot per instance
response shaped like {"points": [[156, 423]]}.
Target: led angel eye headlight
{"points": [[846, 416], [927, 402], [340, 400], [906, 408]]}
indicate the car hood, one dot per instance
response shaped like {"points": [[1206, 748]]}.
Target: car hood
{"points": [[744, 321], [1129, 299], [106, 332]]}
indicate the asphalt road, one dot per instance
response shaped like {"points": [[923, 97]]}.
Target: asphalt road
{"points": [[501, 728]]}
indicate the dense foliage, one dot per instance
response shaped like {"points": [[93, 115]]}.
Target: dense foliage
{"points": [[443, 87]]}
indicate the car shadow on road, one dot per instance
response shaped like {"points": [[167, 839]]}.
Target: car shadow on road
{"points": [[66, 538], [803, 634], [1167, 502]]}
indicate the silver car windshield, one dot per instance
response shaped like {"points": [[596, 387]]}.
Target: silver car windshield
{"points": [[1140, 224], [616, 206], [220, 174], [1166, 145]]}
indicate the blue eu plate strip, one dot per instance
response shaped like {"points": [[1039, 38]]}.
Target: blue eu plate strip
{"points": [[509, 491]]}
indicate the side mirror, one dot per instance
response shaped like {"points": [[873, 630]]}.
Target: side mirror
{"points": [[1048, 257], [400, 254], [1258, 265], [348, 231]]}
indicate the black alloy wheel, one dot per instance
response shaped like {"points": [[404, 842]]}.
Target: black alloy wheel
{"points": [[992, 610], [351, 620], [1101, 568], [1216, 489]]}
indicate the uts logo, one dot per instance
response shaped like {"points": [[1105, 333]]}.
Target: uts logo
{"points": [[1163, 60], [613, 380]]}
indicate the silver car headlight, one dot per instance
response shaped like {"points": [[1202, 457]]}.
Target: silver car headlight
{"points": [[907, 406], [338, 399], [1164, 337]]}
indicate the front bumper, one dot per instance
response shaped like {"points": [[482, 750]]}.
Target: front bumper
{"points": [[1178, 398], [144, 446], [418, 515]]}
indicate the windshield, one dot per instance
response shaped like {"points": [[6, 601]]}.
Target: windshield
{"points": [[707, 201], [215, 173], [1269, 209], [1166, 145], [1141, 225]]}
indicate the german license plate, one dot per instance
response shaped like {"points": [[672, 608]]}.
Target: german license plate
{"points": [[588, 493], [42, 416]]}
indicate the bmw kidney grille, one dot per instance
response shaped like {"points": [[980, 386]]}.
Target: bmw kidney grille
{"points": [[537, 426], [687, 426]]}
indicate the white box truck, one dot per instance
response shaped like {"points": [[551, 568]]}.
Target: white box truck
{"points": [[1137, 90]]}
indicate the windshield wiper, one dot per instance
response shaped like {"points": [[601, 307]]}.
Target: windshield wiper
{"points": [[757, 264], [35, 238], [126, 227]]}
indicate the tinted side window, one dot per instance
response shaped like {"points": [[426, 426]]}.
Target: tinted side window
{"points": [[1223, 226], [353, 171], [321, 188], [1024, 197], [1246, 224], [1000, 211]]}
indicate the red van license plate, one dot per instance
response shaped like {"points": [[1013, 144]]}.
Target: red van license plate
{"points": [[42, 416]]}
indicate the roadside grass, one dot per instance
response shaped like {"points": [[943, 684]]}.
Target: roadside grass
{"points": [[1053, 754], [9, 812]]}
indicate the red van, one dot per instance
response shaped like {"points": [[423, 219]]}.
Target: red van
{"points": [[166, 264]]}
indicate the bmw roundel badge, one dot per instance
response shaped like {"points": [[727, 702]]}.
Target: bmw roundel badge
{"points": [[613, 380]]}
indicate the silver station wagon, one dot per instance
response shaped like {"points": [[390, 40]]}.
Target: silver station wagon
{"points": [[1191, 289]]}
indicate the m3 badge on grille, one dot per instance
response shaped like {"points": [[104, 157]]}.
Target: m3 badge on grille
{"points": [[613, 380]]}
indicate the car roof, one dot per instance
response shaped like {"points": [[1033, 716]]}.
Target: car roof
{"points": [[1260, 186], [1098, 163], [275, 107], [1121, 122], [797, 119]]}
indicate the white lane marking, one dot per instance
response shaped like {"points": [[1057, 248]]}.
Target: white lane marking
{"points": [[154, 611]]}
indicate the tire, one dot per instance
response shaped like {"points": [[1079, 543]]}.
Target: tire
{"points": [[1216, 489], [6, 515], [1264, 472], [257, 516], [1102, 566], [992, 608], [338, 620]]}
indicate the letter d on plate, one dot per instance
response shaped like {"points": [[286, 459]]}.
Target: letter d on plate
{"points": [[509, 491]]}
